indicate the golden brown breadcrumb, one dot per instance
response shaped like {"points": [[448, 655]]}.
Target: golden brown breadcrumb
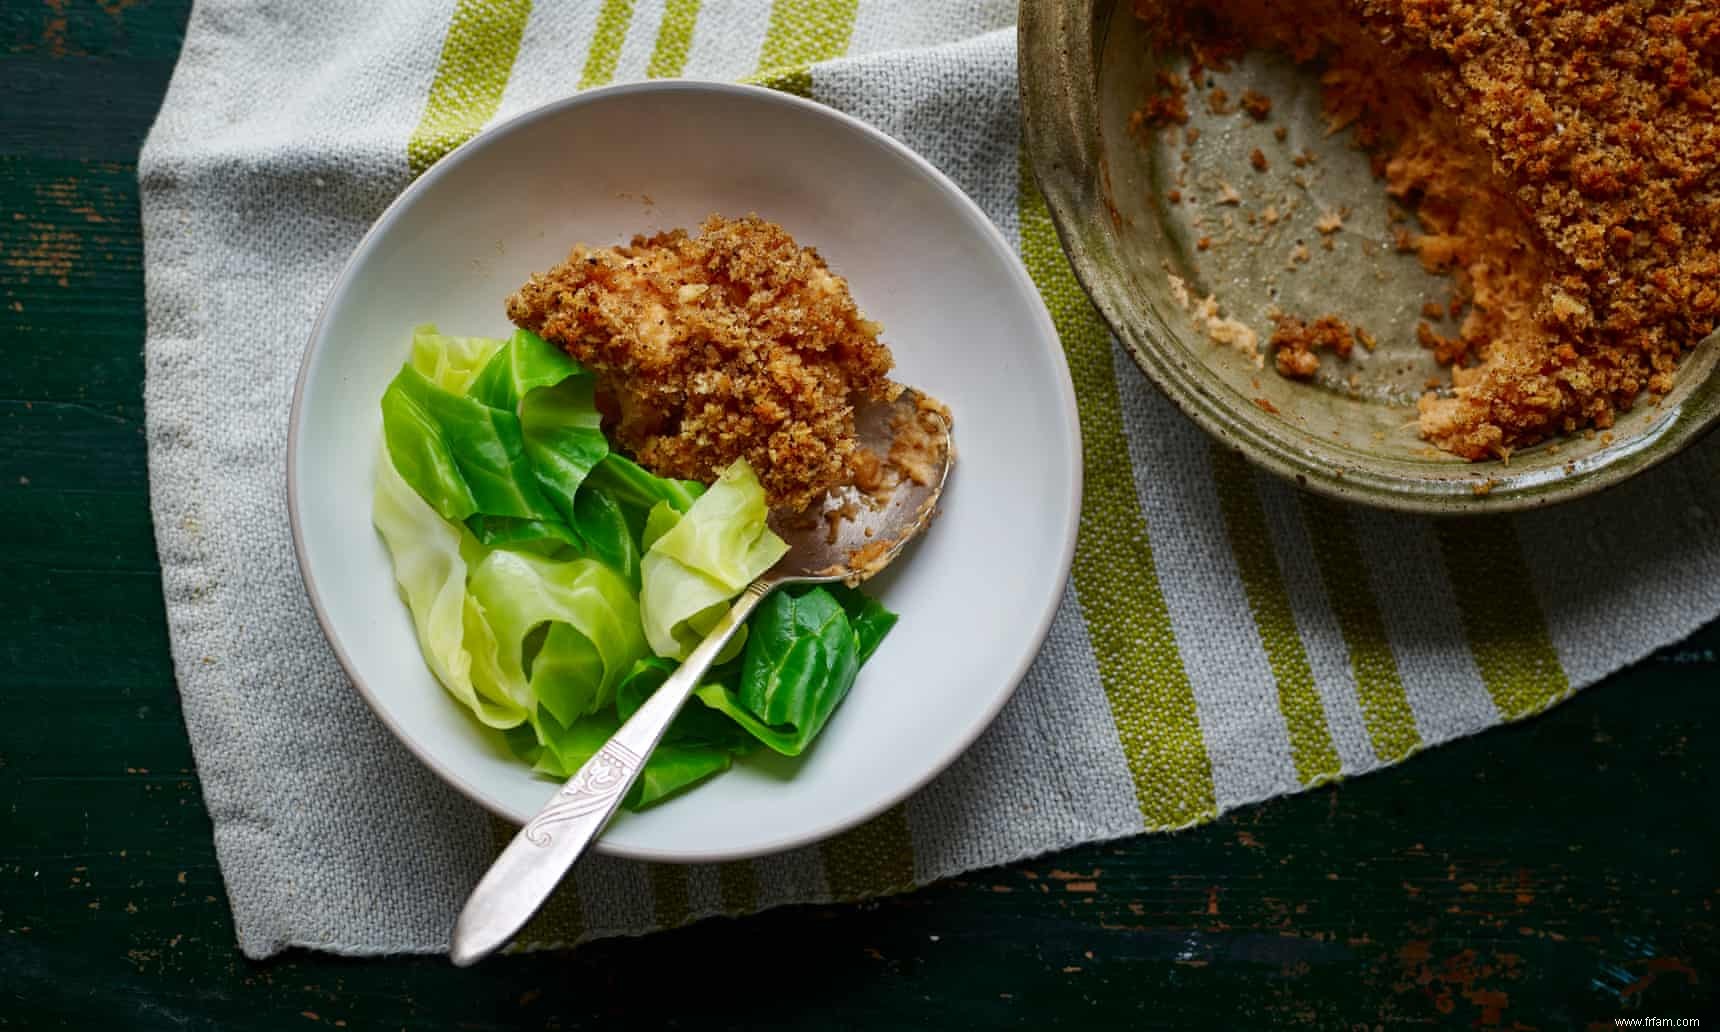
{"points": [[1295, 342], [1563, 160], [736, 343]]}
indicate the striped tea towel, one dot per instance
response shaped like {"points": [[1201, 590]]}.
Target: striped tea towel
{"points": [[1223, 640]]}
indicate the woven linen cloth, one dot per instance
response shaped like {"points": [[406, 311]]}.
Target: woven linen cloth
{"points": [[1222, 640]]}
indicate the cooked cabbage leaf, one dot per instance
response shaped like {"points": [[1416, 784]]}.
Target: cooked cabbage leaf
{"points": [[593, 635], [431, 573], [545, 537], [724, 535], [557, 751], [672, 767], [606, 532], [562, 748], [520, 366], [564, 439], [707, 557], [632, 486], [659, 521], [451, 363], [678, 605], [801, 659], [460, 455], [558, 416]]}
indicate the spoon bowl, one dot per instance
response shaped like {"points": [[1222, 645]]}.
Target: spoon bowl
{"points": [[855, 533]]}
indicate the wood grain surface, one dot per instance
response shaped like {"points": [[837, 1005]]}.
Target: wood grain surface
{"points": [[1555, 874]]}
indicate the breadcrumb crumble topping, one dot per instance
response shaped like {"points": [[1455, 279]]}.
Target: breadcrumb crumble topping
{"points": [[736, 343]]}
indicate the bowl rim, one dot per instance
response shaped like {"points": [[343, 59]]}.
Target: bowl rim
{"points": [[1058, 43], [1067, 412]]}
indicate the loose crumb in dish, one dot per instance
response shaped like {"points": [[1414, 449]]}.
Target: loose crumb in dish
{"points": [[1294, 343], [1206, 317], [736, 343]]}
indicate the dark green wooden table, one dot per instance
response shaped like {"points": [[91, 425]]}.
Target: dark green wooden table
{"points": [[1551, 875]]}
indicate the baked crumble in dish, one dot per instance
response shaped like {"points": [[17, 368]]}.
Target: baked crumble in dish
{"points": [[1562, 161], [735, 343]]}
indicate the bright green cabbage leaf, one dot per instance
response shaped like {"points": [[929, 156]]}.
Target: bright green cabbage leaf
{"points": [[522, 365], [708, 556], [431, 572], [545, 537], [419, 451], [659, 521], [606, 532], [460, 455], [672, 767], [557, 750], [801, 659], [632, 486], [564, 438], [559, 421], [870, 620], [593, 635]]}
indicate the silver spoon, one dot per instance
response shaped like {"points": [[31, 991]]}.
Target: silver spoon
{"points": [[820, 551]]}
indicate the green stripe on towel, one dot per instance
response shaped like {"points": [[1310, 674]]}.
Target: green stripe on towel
{"points": [[737, 886], [872, 859], [1379, 687], [669, 891], [1311, 747], [1501, 615], [1128, 622], [477, 57], [801, 33], [606, 40], [674, 39]]}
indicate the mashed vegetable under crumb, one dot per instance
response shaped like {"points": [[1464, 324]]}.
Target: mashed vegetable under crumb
{"points": [[736, 343]]}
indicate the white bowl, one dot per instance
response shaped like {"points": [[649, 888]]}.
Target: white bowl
{"points": [[975, 597]]}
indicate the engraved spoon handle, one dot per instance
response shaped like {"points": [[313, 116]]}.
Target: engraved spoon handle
{"points": [[531, 866]]}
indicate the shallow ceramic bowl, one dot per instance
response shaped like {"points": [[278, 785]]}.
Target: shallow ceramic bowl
{"points": [[1086, 65], [975, 596]]}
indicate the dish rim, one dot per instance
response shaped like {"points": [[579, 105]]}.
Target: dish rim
{"points": [[1064, 390]]}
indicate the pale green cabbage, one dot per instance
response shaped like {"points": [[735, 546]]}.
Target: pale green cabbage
{"points": [[592, 635], [693, 567], [451, 363], [431, 572]]}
